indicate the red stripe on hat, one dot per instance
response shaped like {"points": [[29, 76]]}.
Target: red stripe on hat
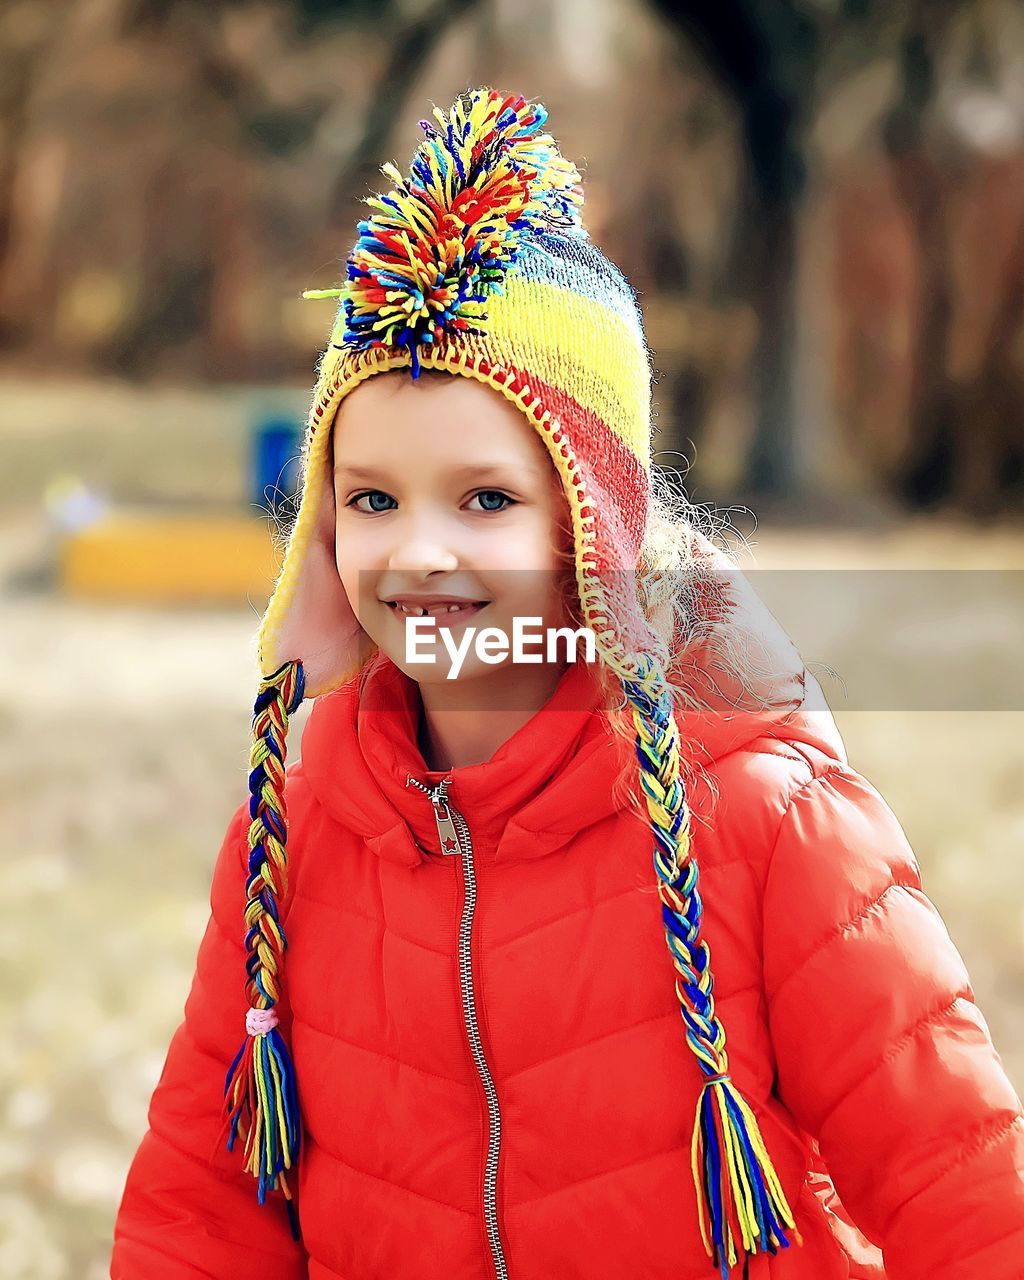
{"points": [[618, 480]]}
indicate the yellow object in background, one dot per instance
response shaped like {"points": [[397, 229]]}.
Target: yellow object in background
{"points": [[170, 559]]}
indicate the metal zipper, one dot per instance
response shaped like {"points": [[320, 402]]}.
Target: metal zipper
{"points": [[454, 839]]}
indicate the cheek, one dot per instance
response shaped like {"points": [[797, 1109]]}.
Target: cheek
{"points": [[357, 554], [534, 557], [536, 539], [545, 586], [523, 550]]}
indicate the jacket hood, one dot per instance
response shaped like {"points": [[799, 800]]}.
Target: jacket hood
{"points": [[739, 673], [741, 677]]}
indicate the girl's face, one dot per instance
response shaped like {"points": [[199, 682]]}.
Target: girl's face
{"points": [[444, 495]]}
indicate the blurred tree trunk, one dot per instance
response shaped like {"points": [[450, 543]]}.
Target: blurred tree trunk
{"points": [[27, 38], [412, 45], [964, 442], [763, 53], [988, 454], [924, 474]]}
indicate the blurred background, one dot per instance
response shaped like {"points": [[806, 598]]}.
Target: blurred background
{"points": [[821, 205]]}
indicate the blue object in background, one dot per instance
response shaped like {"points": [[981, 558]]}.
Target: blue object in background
{"points": [[276, 446]]}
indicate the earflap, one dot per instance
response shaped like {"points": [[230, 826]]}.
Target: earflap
{"points": [[309, 616]]}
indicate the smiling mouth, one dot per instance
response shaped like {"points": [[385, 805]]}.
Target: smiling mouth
{"points": [[446, 613]]}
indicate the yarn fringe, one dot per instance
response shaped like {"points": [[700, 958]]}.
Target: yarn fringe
{"points": [[739, 1197], [262, 1098]]}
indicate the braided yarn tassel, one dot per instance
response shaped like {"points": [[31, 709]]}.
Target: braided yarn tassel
{"points": [[260, 1094], [740, 1201]]}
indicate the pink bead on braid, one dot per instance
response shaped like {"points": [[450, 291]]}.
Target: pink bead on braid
{"points": [[259, 1021]]}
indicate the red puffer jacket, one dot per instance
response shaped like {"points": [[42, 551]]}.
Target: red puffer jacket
{"points": [[519, 998]]}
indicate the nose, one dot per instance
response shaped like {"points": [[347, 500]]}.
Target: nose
{"points": [[421, 547]]}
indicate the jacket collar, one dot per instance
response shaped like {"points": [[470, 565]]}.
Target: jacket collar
{"points": [[554, 777], [550, 780]]}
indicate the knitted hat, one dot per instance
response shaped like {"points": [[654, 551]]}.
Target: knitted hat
{"points": [[477, 264]]}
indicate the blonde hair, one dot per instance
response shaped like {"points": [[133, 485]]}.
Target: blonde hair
{"points": [[683, 545]]}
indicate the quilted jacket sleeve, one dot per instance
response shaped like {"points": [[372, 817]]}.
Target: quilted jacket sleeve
{"points": [[881, 1052], [189, 1208]]}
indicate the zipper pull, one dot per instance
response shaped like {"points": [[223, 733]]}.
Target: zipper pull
{"points": [[447, 836]]}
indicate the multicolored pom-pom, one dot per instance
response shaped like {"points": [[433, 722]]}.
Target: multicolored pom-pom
{"points": [[443, 239]]}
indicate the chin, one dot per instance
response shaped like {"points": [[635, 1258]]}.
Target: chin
{"points": [[424, 673], [436, 673]]}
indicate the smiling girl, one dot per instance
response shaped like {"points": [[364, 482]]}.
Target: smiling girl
{"points": [[498, 1048]]}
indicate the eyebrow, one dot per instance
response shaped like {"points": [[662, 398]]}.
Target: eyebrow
{"points": [[357, 473], [475, 469], [465, 472]]}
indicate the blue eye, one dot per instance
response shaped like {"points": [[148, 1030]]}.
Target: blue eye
{"points": [[373, 495], [487, 495]]}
